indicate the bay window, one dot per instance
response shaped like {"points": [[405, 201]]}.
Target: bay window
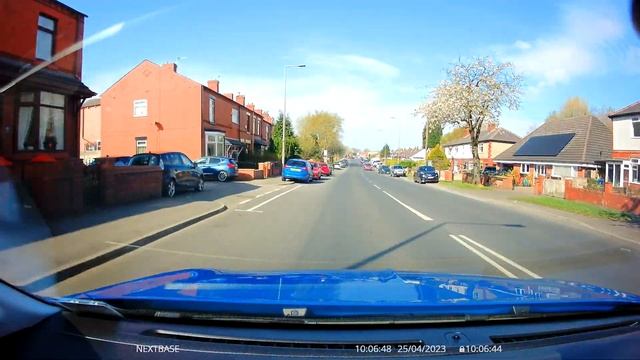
{"points": [[215, 143], [41, 120]]}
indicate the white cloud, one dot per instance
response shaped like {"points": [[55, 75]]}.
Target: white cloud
{"points": [[576, 50], [354, 63]]}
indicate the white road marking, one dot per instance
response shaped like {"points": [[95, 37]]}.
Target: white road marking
{"points": [[257, 196], [273, 198], [503, 258], [484, 257], [418, 213], [254, 211], [377, 187]]}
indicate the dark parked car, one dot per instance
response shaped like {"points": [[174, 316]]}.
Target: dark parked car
{"points": [[219, 168], [178, 171], [122, 161], [384, 169], [490, 170], [425, 174]]}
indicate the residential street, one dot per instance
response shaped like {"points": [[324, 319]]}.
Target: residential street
{"points": [[361, 220]]}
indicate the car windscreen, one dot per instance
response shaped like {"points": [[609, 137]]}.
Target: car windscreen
{"points": [[171, 159], [296, 163], [144, 160], [427, 168]]}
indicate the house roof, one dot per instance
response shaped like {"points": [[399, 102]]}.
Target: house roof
{"points": [[627, 110], [498, 134], [592, 142], [91, 102]]}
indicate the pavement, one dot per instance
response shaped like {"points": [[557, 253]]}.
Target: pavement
{"points": [[36, 254], [362, 220]]}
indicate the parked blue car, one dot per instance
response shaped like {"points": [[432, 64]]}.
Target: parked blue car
{"points": [[297, 169], [219, 168]]}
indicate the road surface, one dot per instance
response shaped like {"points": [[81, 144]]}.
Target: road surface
{"points": [[358, 219]]}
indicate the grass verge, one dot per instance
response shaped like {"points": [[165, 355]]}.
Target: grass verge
{"points": [[463, 185], [576, 207]]}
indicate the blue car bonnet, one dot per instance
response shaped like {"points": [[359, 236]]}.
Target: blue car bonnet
{"points": [[349, 293]]}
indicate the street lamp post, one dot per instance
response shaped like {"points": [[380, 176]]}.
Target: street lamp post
{"points": [[284, 111]]}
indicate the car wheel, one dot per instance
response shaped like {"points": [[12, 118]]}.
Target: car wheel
{"points": [[170, 189], [223, 176], [283, 179], [200, 186]]}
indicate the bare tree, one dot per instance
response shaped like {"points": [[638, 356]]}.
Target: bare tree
{"points": [[473, 94]]}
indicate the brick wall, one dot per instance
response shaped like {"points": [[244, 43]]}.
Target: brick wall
{"points": [[56, 187], [124, 184], [607, 198], [249, 174]]}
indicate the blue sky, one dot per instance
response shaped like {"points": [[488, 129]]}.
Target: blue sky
{"points": [[373, 62]]}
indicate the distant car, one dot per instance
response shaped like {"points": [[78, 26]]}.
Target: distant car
{"points": [[178, 171], [217, 167], [425, 174], [397, 170], [297, 170], [384, 170], [325, 168], [337, 166], [367, 167], [344, 163], [317, 172]]}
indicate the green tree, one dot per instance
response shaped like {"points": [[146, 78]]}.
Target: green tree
{"points": [[321, 131], [386, 151], [438, 158], [433, 136], [292, 147], [574, 106], [455, 134]]}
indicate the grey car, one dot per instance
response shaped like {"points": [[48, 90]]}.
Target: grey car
{"points": [[397, 170]]}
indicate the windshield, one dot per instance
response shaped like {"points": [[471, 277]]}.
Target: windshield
{"points": [[463, 153]]}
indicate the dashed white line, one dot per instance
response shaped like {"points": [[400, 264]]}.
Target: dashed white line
{"points": [[376, 186], [416, 212], [503, 258], [273, 198], [244, 201], [484, 257]]}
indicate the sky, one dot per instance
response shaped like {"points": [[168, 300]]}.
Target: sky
{"points": [[371, 62]]}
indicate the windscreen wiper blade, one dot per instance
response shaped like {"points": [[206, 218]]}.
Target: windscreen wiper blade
{"points": [[88, 306]]}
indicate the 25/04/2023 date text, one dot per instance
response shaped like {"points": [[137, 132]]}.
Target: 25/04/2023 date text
{"points": [[410, 348]]}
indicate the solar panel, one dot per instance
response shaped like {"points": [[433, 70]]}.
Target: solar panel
{"points": [[546, 145]]}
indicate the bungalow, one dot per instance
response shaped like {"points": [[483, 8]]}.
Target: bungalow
{"points": [[492, 141], [561, 148], [622, 169]]}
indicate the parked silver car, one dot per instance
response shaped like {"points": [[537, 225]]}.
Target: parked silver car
{"points": [[397, 170]]}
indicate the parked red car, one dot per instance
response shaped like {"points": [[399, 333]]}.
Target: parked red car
{"points": [[367, 167], [317, 173], [325, 169]]}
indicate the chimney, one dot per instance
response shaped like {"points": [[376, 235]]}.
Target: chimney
{"points": [[170, 66], [229, 95], [259, 111], [251, 106], [240, 99], [213, 85]]}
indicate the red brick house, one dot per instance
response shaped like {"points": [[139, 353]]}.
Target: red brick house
{"points": [[623, 169], [39, 114], [492, 141], [153, 108]]}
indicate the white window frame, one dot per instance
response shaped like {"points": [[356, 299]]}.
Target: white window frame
{"points": [[481, 148], [212, 109], [574, 170], [142, 143], [540, 169], [635, 163], [523, 166], [235, 119], [219, 138], [140, 108], [256, 125], [634, 120], [98, 145]]}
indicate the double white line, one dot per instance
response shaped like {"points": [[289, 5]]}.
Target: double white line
{"points": [[467, 244]]}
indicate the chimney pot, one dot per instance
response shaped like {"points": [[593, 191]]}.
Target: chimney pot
{"points": [[229, 95], [213, 85], [240, 99], [170, 66], [251, 106]]}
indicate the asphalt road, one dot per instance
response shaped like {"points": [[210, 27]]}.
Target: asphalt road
{"points": [[362, 220]]}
